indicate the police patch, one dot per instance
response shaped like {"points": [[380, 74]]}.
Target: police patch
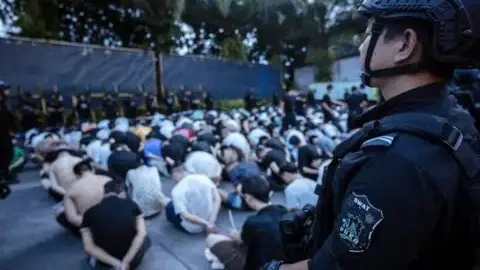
{"points": [[358, 222]]}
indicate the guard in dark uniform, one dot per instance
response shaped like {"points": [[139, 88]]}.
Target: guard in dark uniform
{"points": [[170, 102], [28, 108], [402, 193], [6, 147], [84, 112], [110, 107], [55, 109], [149, 102], [208, 99]]}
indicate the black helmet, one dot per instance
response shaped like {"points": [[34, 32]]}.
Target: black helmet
{"points": [[456, 31]]}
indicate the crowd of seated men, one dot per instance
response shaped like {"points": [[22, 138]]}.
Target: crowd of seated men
{"points": [[107, 178]]}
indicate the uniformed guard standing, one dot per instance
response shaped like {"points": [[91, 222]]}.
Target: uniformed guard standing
{"points": [[402, 193], [55, 109]]}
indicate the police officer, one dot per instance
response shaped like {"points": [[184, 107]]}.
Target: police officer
{"points": [[400, 193], [6, 147]]}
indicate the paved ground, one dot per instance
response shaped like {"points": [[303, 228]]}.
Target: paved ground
{"points": [[30, 238]]}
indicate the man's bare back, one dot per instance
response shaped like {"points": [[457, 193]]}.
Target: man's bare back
{"points": [[62, 169], [87, 191]]}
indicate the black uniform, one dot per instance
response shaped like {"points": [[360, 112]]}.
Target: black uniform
{"points": [[392, 201], [110, 107], [56, 113], [83, 111], [29, 118]]}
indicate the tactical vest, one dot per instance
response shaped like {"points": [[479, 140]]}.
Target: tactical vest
{"points": [[380, 134]]}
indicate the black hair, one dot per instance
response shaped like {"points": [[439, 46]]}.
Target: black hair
{"points": [[258, 187], [259, 149], [82, 166], [329, 87], [424, 31], [262, 140], [294, 140], [311, 139], [288, 167], [114, 186]]}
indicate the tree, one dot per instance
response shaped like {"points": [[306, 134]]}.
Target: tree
{"points": [[234, 49]]}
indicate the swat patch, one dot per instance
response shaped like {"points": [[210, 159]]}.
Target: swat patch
{"points": [[358, 223]]}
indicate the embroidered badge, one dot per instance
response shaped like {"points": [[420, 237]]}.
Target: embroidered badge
{"points": [[358, 223]]}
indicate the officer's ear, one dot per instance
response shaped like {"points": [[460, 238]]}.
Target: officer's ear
{"points": [[407, 48]]}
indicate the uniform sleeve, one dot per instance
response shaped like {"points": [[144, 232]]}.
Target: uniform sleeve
{"points": [[388, 213]]}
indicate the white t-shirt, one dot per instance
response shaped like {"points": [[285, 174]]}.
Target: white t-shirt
{"points": [[300, 193], [194, 195], [238, 140], [104, 153], [93, 148], [146, 189], [200, 162], [255, 135]]}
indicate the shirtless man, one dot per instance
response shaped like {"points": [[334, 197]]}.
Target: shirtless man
{"points": [[86, 192], [60, 174]]}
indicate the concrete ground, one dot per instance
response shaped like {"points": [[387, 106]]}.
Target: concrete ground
{"points": [[30, 238]]}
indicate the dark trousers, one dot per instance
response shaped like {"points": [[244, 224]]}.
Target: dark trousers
{"points": [[289, 121], [57, 197], [62, 220]]}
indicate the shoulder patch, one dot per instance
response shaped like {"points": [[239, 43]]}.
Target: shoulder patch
{"points": [[358, 222], [384, 141]]}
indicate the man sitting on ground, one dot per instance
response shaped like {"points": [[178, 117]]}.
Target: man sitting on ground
{"points": [[114, 232], [300, 190], [86, 192], [241, 173], [59, 172], [260, 240], [270, 161], [195, 203], [145, 189], [309, 160]]}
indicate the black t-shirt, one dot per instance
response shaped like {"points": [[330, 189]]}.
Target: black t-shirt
{"points": [[326, 99], [110, 108], [354, 101], [120, 162], [289, 103], [112, 223], [300, 105], [83, 109], [306, 155], [261, 234]]}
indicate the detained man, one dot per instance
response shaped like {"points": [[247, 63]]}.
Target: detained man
{"points": [[145, 189], [270, 161], [114, 232], [59, 173], [242, 173], [202, 162], [86, 192], [259, 240], [195, 203], [230, 132], [300, 190]]}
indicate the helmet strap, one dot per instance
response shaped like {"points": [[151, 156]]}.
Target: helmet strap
{"points": [[368, 74]]}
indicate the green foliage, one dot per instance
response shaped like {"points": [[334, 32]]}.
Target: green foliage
{"points": [[323, 60], [234, 49], [284, 30]]}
